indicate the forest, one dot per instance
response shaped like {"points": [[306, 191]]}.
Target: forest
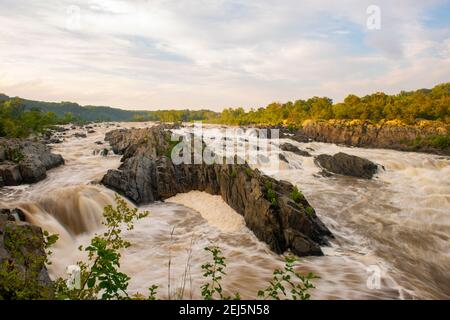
{"points": [[409, 107], [20, 117]]}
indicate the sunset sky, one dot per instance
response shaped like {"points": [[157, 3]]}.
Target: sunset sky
{"points": [[214, 54]]}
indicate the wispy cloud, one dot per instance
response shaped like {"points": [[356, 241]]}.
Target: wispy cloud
{"points": [[164, 53]]}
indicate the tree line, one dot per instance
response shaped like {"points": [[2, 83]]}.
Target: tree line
{"points": [[20, 117], [409, 107]]}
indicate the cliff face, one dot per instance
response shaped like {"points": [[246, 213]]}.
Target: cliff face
{"points": [[388, 136], [268, 208]]}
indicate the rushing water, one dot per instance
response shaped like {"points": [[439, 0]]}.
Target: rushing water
{"points": [[397, 224]]}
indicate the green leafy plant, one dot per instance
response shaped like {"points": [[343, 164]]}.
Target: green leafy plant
{"points": [[214, 272], [19, 273], [270, 193], [288, 284], [440, 142], [248, 171], [101, 274], [309, 211], [296, 195], [13, 154]]}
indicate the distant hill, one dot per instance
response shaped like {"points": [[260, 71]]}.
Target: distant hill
{"points": [[86, 113], [102, 113]]}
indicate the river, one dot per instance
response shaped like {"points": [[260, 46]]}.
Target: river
{"points": [[395, 226]]}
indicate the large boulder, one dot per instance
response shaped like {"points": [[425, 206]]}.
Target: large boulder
{"points": [[10, 174], [348, 165], [25, 161], [23, 273], [267, 205]]}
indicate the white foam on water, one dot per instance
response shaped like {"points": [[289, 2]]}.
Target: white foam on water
{"points": [[399, 221], [212, 208]]}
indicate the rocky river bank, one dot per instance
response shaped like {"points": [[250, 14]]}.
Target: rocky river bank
{"points": [[428, 138], [270, 209]]}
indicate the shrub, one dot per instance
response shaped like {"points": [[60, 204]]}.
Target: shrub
{"points": [[296, 195], [214, 272], [270, 193], [101, 274], [288, 283], [440, 142]]}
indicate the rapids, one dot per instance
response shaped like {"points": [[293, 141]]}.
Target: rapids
{"points": [[397, 224]]}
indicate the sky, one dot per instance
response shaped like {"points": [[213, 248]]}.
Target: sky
{"points": [[144, 54]]}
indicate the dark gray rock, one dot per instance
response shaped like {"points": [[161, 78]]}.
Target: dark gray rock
{"points": [[282, 158], [348, 165], [79, 135], [25, 161], [15, 214], [104, 152], [291, 148], [265, 203], [55, 141], [10, 174]]}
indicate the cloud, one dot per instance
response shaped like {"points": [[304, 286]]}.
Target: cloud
{"points": [[178, 54]]}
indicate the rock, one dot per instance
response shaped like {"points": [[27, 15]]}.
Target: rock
{"points": [[10, 174], [282, 158], [55, 141], [25, 161], [13, 214], [152, 141], [22, 259], [91, 131], [79, 135], [265, 203], [98, 142], [104, 152], [32, 170], [368, 135], [291, 148], [344, 164]]}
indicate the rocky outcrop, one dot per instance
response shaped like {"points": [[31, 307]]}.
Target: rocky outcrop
{"points": [[363, 134], [23, 274], [348, 165], [266, 204], [291, 148], [152, 142], [25, 161]]}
